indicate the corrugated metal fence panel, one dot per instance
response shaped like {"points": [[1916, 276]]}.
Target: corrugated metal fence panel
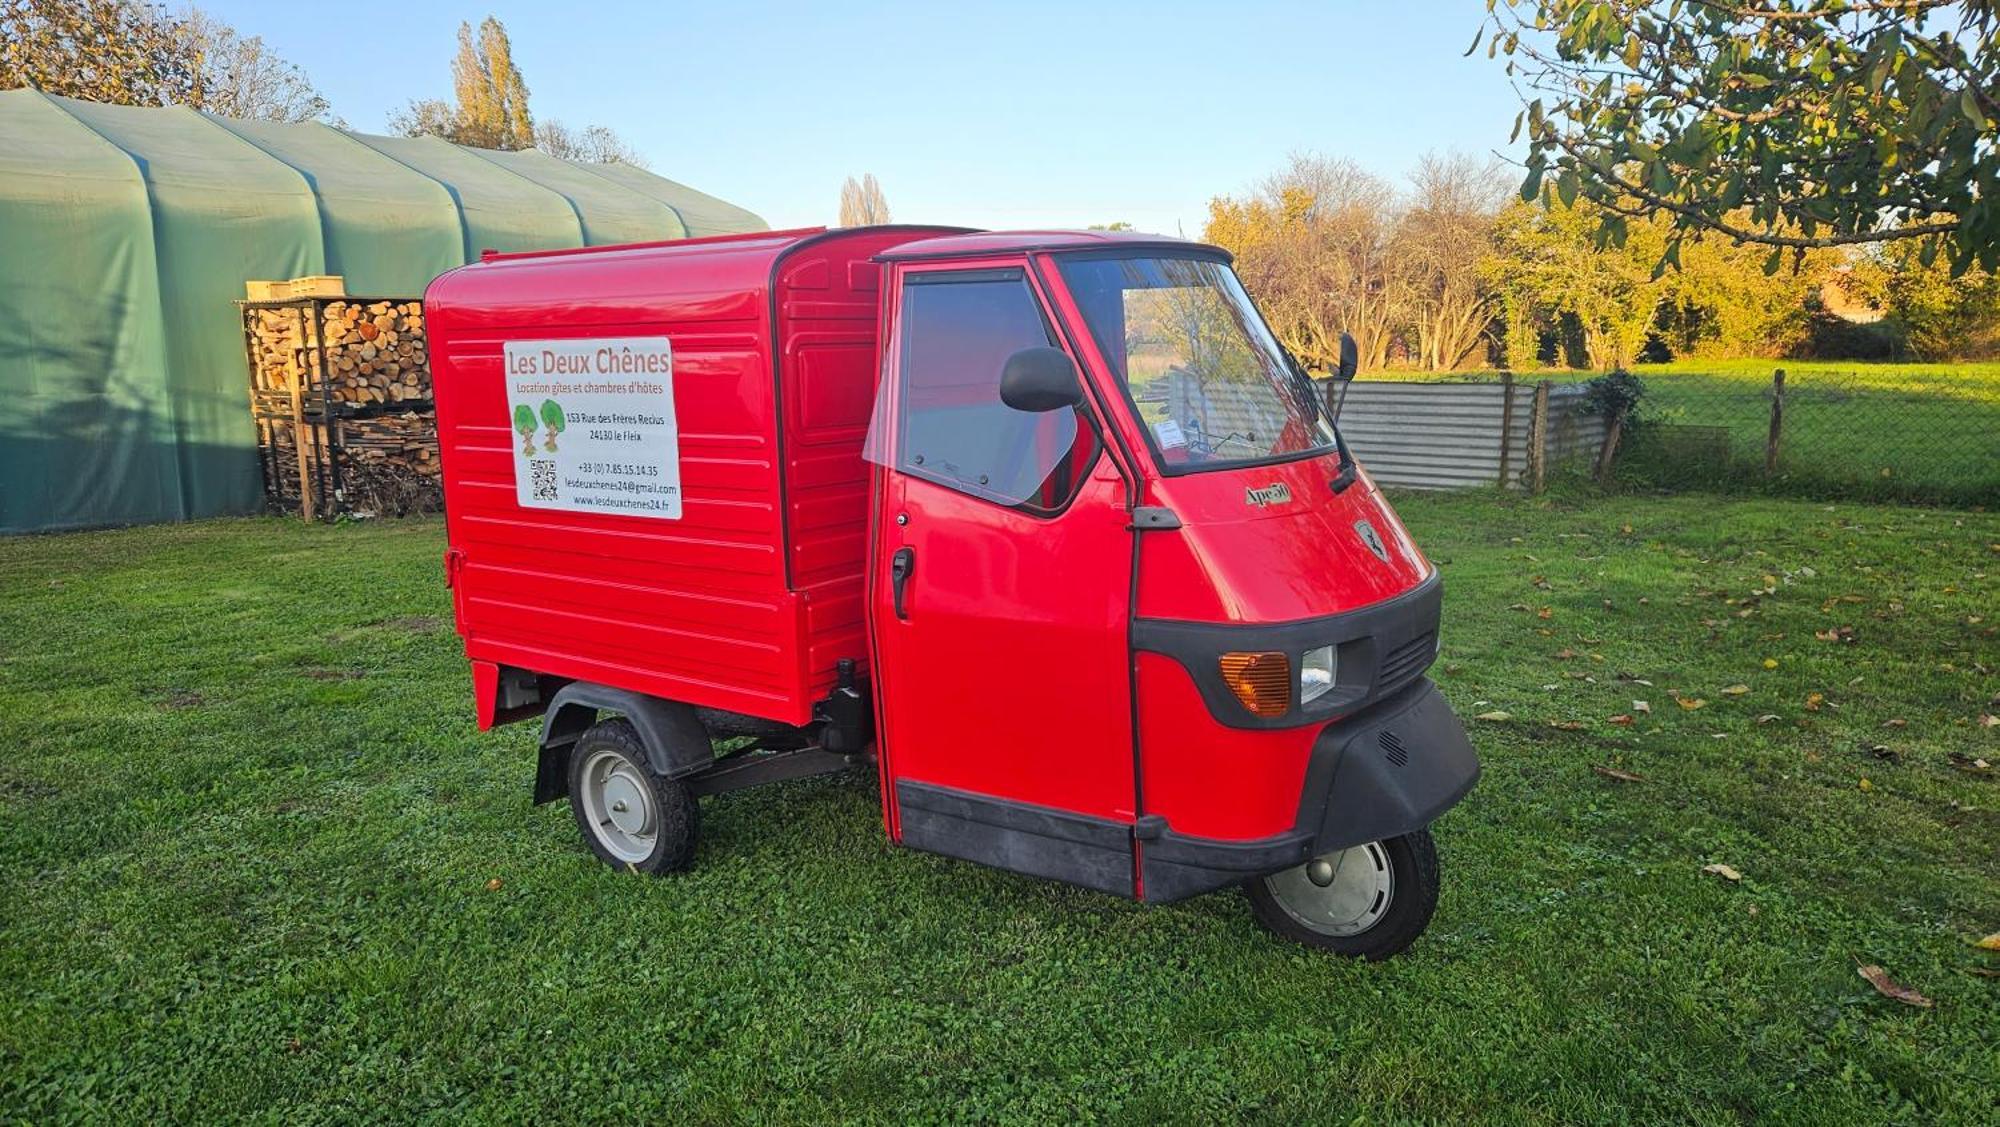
{"points": [[1447, 435]]}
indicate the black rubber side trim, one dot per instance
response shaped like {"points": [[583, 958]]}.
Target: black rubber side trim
{"points": [[1177, 867], [1016, 836], [1381, 649], [676, 743]]}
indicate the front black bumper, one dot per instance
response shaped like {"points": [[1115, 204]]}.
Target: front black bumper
{"points": [[1391, 769]]}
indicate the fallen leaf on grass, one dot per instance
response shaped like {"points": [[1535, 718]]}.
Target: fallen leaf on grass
{"points": [[1895, 723], [1814, 700], [1723, 871], [1546, 612], [1890, 988], [1735, 690], [1836, 634], [1623, 720], [1615, 773], [1990, 943], [1967, 763], [1766, 718], [1496, 716], [1988, 721], [1864, 784], [1567, 725], [1642, 706], [1886, 753], [1689, 703], [493, 885], [1770, 663]]}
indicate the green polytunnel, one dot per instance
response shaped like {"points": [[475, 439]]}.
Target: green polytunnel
{"points": [[126, 236], [607, 211]]}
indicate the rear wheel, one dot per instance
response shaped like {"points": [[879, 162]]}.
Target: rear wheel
{"points": [[631, 817], [1369, 901]]}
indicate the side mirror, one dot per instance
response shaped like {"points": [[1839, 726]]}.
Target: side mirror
{"points": [[1350, 358], [1040, 379]]}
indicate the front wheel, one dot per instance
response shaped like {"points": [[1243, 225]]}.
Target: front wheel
{"points": [[1370, 901]]}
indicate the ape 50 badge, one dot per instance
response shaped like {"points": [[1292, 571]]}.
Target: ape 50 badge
{"points": [[595, 424]]}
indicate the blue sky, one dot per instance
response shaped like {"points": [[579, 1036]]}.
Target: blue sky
{"points": [[990, 115]]}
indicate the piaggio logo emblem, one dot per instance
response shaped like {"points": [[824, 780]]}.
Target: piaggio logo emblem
{"points": [[1275, 493], [1372, 539]]}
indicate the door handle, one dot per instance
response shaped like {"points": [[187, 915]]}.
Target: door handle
{"points": [[900, 566]]}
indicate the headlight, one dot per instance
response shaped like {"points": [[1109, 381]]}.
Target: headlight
{"points": [[1316, 671]]}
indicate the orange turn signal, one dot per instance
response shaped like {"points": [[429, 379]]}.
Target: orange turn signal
{"points": [[1262, 681]]}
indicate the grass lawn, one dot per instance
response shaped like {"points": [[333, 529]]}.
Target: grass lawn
{"points": [[1927, 432], [255, 862]]}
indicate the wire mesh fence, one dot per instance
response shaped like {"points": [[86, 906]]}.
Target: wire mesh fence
{"points": [[1921, 433], [1893, 432]]}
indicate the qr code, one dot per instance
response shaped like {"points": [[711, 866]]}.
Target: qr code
{"points": [[542, 479]]}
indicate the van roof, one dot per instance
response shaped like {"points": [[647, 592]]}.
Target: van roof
{"points": [[1014, 242]]}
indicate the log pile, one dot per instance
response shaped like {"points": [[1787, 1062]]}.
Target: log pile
{"points": [[375, 350], [350, 379]]}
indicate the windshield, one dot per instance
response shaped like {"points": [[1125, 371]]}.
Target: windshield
{"points": [[1206, 378]]}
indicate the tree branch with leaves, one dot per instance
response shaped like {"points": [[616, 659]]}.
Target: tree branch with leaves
{"points": [[1792, 124]]}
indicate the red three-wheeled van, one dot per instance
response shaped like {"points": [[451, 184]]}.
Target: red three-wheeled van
{"points": [[1045, 527]]}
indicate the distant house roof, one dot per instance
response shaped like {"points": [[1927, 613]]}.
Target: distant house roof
{"points": [[1838, 295]]}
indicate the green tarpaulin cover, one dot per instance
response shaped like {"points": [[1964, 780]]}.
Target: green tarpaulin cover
{"points": [[126, 235]]}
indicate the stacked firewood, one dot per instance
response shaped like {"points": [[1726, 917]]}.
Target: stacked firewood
{"points": [[374, 351], [376, 449]]}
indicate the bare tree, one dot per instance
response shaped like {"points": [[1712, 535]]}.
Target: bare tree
{"points": [[238, 76], [861, 202], [1313, 244], [593, 144], [1443, 238]]}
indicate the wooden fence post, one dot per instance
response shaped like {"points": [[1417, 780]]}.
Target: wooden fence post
{"points": [[1506, 423], [1777, 423], [1613, 427], [1538, 438]]}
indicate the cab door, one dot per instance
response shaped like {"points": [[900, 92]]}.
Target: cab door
{"points": [[999, 587]]}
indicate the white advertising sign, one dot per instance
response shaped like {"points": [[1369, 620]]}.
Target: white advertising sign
{"points": [[594, 420]]}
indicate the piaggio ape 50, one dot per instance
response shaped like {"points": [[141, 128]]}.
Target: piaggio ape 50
{"points": [[1045, 526]]}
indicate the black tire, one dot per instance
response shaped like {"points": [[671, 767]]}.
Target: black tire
{"points": [[1412, 863], [672, 820]]}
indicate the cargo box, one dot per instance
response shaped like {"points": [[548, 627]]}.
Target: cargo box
{"points": [[739, 590]]}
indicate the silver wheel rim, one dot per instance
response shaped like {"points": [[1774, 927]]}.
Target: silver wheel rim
{"points": [[618, 806], [1341, 893]]}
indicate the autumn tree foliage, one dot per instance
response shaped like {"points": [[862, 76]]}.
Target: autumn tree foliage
{"points": [[862, 203], [1790, 124], [489, 109], [130, 53]]}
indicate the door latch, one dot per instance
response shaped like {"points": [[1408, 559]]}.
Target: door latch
{"points": [[901, 565]]}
